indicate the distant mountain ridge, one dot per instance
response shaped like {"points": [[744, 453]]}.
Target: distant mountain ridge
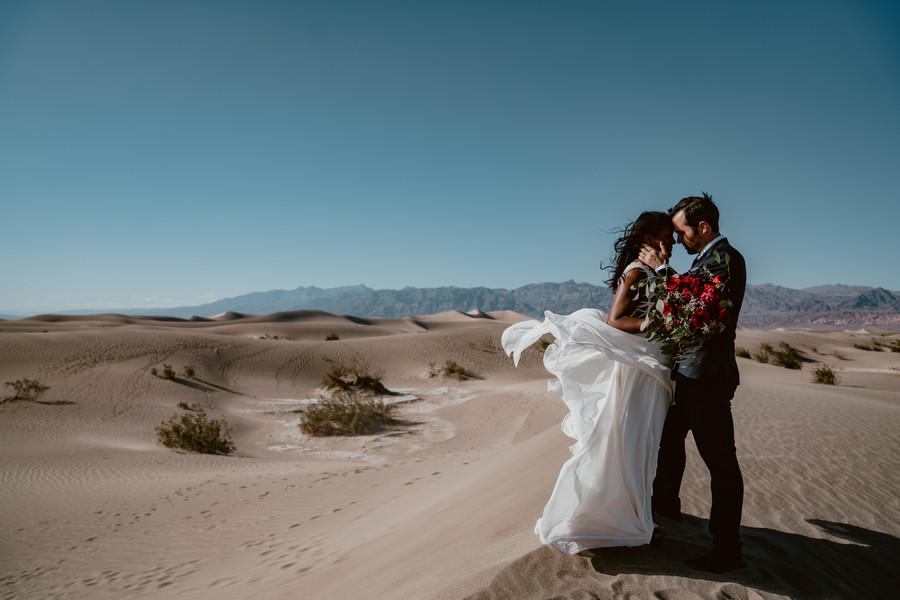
{"points": [[765, 305]]}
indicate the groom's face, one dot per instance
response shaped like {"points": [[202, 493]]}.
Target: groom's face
{"points": [[687, 236]]}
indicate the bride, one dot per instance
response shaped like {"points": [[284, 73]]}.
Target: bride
{"points": [[617, 388]]}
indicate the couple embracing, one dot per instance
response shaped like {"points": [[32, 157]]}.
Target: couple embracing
{"points": [[631, 404]]}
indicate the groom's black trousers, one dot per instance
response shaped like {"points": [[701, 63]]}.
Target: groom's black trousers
{"points": [[706, 411]]}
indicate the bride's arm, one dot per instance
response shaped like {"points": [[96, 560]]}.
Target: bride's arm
{"points": [[623, 304]]}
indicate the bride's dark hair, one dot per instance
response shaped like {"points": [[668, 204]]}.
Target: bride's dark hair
{"points": [[628, 246]]}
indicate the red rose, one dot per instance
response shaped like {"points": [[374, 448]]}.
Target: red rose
{"points": [[700, 319], [724, 316]]}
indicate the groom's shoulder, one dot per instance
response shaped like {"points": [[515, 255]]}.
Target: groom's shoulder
{"points": [[725, 247]]}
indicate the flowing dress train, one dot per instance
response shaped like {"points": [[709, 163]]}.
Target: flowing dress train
{"points": [[617, 388]]}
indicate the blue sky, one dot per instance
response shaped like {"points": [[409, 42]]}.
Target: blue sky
{"points": [[164, 153]]}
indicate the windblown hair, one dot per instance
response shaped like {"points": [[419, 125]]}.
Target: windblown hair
{"points": [[698, 208], [628, 246]]}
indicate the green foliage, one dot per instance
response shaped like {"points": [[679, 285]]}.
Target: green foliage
{"points": [[331, 337], [346, 414], [189, 371], [195, 432], [825, 375], [741, 352], [355, 378], [168, 372], [26, 389]]}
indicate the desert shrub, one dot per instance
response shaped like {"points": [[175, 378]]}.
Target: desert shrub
{"points": [[154, 372], [838, 355], [168, 372], [788, 357], [184, 406], [355, 378], [450, 369], [741, 352], [346, 414], [825, 375], [764, 354], [195, 432], [895, 346], [864, 347], [331, 337], [26, 389], [189, 371], [454, 369]]}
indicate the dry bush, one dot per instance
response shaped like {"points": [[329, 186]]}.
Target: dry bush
{"points": [[450, 369], [346, 413], [788, 357], [825, 375], [357, 378], [195, 432], [26, 389]]}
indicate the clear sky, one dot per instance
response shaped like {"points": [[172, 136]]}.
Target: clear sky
{"points": [[172, 152]]}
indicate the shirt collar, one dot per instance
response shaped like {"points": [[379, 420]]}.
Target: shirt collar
{"points": [[710, 245]]}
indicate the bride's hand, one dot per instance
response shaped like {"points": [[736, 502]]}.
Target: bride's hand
{"points": [[653, 256]]}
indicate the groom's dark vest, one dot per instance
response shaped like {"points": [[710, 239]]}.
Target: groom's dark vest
{"points": [[713, 362]]}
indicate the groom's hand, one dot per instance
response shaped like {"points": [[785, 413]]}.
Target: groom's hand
{"points": [[654, 256]]}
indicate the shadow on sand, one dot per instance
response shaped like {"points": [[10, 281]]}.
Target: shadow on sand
{"points": [[861, 565], [204, 386]]}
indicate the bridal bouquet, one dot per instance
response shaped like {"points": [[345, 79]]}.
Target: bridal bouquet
{"points": [[684, 310]]}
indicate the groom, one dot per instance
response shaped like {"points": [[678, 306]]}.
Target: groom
{"points": [[705, 382]]}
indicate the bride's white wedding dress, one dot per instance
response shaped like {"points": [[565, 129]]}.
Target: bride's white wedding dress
{"points": [[617, 388]]}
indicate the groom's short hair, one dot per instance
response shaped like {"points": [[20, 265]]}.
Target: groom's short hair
{"points": [[696, 209]]}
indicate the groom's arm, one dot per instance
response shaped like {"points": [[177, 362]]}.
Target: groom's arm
{"points": [[657, 258]]}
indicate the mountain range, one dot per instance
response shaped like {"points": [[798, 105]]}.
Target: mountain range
{"points": [[765, 306]]}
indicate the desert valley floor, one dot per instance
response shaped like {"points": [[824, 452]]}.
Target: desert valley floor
{"points": [[443, 504]]}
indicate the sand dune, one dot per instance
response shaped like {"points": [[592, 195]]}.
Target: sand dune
{"points": [[441, 506]]}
